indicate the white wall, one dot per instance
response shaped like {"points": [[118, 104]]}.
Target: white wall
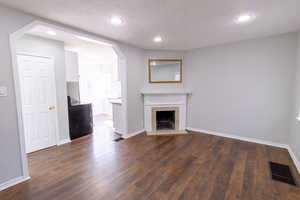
{"points": [[294, 139], [244, 88], [135, 78], [96, 86], [73, 91], [45, 47], [10, 162]]}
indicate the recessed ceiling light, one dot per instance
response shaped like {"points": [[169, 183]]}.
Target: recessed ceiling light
{"points": [[244, 18], [157, 39], [51, 33], [116, 21]]}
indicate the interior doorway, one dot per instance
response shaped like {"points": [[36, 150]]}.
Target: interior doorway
{"points": [[93, 78], [90, 81], [57, 103]]}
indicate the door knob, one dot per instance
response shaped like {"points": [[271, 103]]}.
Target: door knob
{"points": [[51, 107]]}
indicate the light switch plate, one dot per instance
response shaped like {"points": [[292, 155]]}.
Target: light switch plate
{"points": [[3, 91]]}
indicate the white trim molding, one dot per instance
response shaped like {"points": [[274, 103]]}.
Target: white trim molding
{"points": [[13, 182], [134, 134], [64, 141], [294, 158], [13, 37], [254, 140], [247, 139]]}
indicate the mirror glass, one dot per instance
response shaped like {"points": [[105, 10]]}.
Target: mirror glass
{"points": [[165, 71]]}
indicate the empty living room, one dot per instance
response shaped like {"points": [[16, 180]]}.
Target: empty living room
{"points": [[150, 100]]}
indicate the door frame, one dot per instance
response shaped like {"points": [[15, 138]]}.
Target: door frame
{"points": [[23, 53], [13, 37]]}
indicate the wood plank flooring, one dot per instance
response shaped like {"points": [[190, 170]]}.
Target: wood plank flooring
{"points": [[187, 167]]}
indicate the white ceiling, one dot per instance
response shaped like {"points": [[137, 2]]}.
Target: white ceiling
{"points": [[103, 54], [183, 24]]}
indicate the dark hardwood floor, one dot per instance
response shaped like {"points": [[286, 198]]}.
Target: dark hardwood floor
{"points": [[191, 167]]}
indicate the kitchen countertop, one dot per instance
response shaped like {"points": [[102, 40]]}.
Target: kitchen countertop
{"points": [[115, 101]]}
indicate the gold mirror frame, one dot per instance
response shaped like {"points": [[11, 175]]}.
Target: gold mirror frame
{"points": [[164, 60]]}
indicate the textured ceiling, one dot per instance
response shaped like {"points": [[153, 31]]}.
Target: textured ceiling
{"points": [[183, 24]]}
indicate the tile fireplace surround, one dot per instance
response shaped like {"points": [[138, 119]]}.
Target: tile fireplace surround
{"points": [[165, 101]]}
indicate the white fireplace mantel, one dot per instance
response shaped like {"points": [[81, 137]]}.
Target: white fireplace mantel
{"points": [[166, 92], [154, 100]]}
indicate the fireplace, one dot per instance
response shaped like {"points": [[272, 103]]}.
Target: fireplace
{"points": [[165, 120], [165, 112]]}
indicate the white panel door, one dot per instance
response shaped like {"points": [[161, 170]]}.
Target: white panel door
{"points": [[38, 101]]}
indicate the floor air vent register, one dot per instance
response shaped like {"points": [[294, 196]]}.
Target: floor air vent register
{"points": [[118, 139], [282, 173]]}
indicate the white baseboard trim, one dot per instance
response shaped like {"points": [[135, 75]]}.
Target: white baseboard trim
{"points": [[133, 134], [64, 141], [294, 158], [247, 139], [117, 132], [13, 182]]}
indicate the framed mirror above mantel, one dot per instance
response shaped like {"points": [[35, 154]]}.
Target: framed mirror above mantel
{"points": [[165, 70]]}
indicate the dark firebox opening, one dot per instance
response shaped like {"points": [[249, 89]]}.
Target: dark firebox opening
{"points": [[165, 120]]}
